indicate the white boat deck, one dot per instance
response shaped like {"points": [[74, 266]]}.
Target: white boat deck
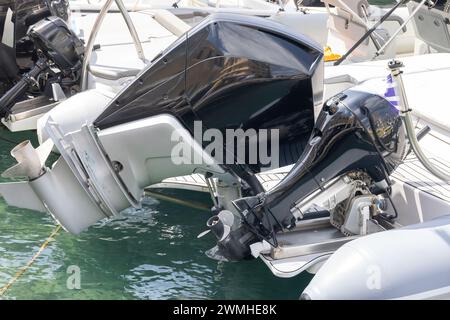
{"points": [[414, 173]]}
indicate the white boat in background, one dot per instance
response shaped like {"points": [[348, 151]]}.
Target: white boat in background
{"points": [[356, 200]]}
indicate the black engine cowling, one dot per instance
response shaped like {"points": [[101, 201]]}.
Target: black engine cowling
{"points": [[53, 38]]}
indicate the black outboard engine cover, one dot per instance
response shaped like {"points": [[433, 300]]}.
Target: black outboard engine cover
{"points": [[58, 43], [230, 71]]}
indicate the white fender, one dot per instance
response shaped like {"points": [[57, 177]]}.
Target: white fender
{"points": [[394, 264]]}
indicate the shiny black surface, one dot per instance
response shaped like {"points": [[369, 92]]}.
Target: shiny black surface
{"points": [[242, 77], [230, 71], [357, 132]]}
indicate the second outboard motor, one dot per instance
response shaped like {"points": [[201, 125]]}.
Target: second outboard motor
{"points": [[355, 131], [57, 47]]}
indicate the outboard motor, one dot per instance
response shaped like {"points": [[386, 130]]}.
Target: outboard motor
{"points": [[26, 64], [355, 132], [58, 47]]}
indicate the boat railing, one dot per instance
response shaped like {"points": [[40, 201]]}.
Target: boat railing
{"points": [[95, 29]]}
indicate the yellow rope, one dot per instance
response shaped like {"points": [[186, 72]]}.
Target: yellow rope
{"points": [[29, 264]]}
